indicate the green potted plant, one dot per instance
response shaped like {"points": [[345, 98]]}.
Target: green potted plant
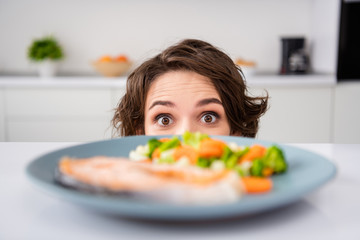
{"points": [[47, 52]]}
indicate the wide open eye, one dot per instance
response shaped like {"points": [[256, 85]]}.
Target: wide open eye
{"points": [[209, 118], [164, 120]]}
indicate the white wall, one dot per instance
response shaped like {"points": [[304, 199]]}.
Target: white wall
{"points": [[88, 29], [324, 34], [2, 116]]}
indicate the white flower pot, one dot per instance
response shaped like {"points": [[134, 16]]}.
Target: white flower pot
{"points": [[47, 68]]}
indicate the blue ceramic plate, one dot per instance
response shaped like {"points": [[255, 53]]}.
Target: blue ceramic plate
{"points": [[307, 171]]}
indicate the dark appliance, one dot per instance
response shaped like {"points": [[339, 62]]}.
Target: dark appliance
{"points": [[294, 59], [348, 61]]}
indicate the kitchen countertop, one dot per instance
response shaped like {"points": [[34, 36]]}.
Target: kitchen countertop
{"points": [[62, 82], [331, 212], [261, 80]]}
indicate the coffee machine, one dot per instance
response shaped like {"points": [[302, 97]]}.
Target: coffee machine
{"points": [[294, 58]]}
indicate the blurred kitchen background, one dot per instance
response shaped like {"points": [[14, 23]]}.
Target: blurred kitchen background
{"points": [[77, 104]]}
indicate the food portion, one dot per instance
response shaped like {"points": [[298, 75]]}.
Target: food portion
{"points": [[242, 62], [118, 58], [191, 169], [112, 66], [163, 183], [248, 67], [202, 151]]}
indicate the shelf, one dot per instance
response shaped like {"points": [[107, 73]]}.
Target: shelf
{"points": [[260, 80], [62, 82], [269, 80]]}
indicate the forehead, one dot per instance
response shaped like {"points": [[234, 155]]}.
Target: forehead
{"points": [[176, 83]]}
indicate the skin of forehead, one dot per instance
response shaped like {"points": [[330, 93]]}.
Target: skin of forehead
{"points": [[177, 83]]}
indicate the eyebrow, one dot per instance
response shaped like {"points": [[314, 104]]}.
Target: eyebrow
{"points": [[162, 103], [207, 101]]}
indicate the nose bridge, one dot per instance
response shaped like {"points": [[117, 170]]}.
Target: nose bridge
{"points": [[186, 125]]}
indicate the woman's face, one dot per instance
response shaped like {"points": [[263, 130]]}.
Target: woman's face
{"points": [[178, 101]]}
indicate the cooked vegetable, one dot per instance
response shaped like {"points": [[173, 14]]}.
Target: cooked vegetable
{"points": [[253, 163], [166, 157], [186, 151], [256, 151], [194, 139], [274, 159], [153, 144], [257, 184], [204, 162], [231, 158], [172, 143], [257, 168], [156, 153], [209, 147]]}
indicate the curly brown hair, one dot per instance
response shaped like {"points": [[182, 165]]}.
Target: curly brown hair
{"points": [[242, 110]]}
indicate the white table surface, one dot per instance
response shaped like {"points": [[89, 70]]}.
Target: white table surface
{"points": [[331, 212]]}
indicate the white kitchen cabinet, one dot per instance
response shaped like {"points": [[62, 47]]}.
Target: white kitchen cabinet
{"points": [[116, 95], [67, 114], [347, 113], [297, 114], [50, 102], [58, 130], [2, 116], [302, 109]]}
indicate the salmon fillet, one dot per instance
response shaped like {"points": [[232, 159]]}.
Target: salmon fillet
{"points": [[164, 182]]}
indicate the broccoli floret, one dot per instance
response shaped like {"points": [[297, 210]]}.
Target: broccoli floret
{"points": [[204, 162], [231, 158], [242, 152], [257, 167], [163, 146], [174, 142], [194, 139], [153, 144], [274, 159], [228, 158], [242, 170], [226, 154], [231, 161]]}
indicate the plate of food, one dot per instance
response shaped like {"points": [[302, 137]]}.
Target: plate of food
{"points": [[175, 178]]}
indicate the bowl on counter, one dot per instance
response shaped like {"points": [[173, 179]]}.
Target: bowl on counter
{"points": [[112, 67], [248, 68]]}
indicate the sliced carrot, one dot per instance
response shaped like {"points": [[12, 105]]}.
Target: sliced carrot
{"points": [[156, 153], [211, 148], [257, 184], [186, 151], [164, 139], [255, 151], [267, 172]]}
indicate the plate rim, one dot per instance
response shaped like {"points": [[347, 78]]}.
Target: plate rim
{"points": [[160, 211]]}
